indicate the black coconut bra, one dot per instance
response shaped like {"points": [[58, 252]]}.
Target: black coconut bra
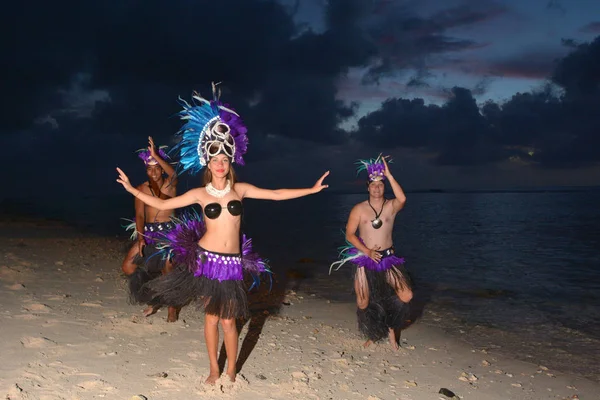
{"points": [[213, 210]]}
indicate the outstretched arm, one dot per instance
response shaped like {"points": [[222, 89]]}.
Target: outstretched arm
{"points": [[246, 190], [351, 228], [168, 168], [400, 197], [184, 200]]}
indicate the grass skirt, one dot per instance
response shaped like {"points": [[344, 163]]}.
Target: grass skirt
{"points": [[215, 281], [385, 310]]}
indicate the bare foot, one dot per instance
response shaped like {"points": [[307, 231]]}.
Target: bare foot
{"points": [[367, 343], [231, 376], [212, 378], [150, 310], [393, 341], [173, 314]]}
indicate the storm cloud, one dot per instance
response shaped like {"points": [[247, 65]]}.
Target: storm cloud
{"points": [[555, 126]]}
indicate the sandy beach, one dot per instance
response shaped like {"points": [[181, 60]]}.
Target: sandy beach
{"points": [[68, 332]]}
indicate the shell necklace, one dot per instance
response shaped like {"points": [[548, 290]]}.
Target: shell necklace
{"points": [[218, 193]]}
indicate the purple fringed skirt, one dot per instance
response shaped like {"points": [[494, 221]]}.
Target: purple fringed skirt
{"points": [[214, 280], [385, 310]]}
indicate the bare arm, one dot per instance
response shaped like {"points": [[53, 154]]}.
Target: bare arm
{"points": [[168, 168], [246, 190], [399, 196], [186, 199], [140, 216]]}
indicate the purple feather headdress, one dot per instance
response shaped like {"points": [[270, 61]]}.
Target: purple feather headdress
{"points": [[211, 128], [375, 168], [144, 154]]}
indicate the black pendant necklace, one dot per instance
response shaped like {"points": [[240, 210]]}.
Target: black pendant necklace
{"points": [[377, 222]]}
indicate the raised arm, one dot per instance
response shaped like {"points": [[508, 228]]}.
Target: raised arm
{"points": [[168, 168], [184, 200], [351, 228], [399, 196], [246, 190]]}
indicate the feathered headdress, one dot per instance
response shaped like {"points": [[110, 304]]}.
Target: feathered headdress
{"points": [[147, 158], [374, 167], [211, 128]]}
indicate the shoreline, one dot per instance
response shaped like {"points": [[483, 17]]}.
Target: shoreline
{"points": [[68, 333]]}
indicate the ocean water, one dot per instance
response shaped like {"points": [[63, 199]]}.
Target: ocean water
{"points": [[518, 266]]}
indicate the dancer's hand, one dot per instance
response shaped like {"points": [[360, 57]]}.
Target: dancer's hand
{"points": [[386, 171], [374, 254], [319, 185], [124, 180], [152, 147], [141, 244]]}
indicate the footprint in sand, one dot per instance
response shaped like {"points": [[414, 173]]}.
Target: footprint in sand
{"points": [[36, 307], [8, 273], [93, 305], [26, 317], [30, 342], [95, 386], [16, 286]]}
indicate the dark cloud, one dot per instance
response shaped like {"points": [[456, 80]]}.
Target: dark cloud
{"points": [[551, 127], [90, 82], [456, 131], [405, 40], [579, 72]]}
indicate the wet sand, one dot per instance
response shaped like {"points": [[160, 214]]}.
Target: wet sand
{"points": [[68, 333]]}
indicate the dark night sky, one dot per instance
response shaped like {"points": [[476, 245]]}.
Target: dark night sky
{"points": [[463, 94]]}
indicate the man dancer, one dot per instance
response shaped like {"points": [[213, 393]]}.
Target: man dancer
{"points": [[141, 263], [382, 286]]}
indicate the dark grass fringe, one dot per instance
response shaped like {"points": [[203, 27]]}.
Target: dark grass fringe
{"points": [[227, 299], [139, 293], [385, 310], [152, 260]]}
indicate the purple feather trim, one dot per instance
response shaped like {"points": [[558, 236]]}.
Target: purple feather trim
{"points": [[364, 261], [375, 171], [148, 159], [238, 132], [251, 261], [181, 244], [221, 267]]}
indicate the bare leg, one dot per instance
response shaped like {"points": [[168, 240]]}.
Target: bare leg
{"points": [[393, 340], [211, 336], [231, 346], [400, 286], [128, 267], [173, 311], [361, 288]]}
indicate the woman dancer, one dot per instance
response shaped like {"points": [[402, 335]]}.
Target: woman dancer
{"points": [[211, 269]]}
